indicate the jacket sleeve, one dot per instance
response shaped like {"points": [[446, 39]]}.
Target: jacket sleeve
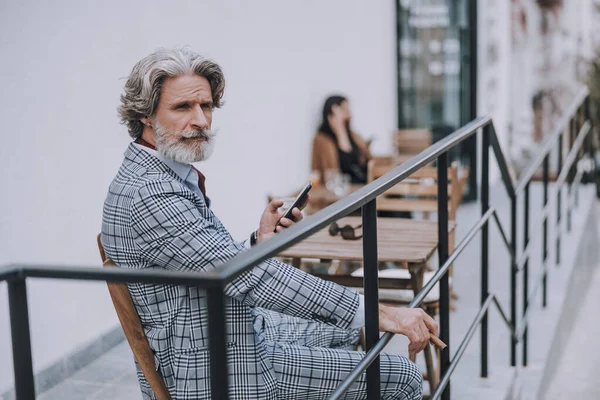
{"points": [[171, 232]]}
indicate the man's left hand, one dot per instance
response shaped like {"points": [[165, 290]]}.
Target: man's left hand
{"points": [[270, 217]]}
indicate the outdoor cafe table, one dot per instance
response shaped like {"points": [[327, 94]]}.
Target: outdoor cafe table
{"points": [[408, 242]]}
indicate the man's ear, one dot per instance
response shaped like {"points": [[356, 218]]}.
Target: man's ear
{"points": [[146, 121]]}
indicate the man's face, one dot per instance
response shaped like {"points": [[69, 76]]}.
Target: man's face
{"points": [[183, 119]]}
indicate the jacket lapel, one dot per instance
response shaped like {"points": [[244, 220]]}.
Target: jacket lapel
{"points": [[141, 161]]}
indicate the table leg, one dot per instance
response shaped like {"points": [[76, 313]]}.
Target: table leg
{"points": [[296, 262], [416, 276]]}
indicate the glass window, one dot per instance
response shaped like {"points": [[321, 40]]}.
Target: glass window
{"points": [[433, 72]]}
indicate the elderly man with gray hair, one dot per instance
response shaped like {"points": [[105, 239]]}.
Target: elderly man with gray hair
{"points": [[289, 334]]}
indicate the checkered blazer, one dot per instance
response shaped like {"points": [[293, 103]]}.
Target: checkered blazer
{"points": [[152, 220]]}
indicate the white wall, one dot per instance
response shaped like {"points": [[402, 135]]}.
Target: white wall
{"points": [[62, 68], [493, 75]]}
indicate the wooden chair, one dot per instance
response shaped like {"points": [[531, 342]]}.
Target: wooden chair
{"points": [[134, 332], [412, 141], [418, 193]]}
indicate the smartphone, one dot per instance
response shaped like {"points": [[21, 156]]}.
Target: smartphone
{"points": [[298, 202]]}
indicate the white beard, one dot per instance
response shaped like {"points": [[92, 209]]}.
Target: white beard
{"points": [[170, 145]]}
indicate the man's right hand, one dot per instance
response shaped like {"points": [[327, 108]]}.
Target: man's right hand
{"points": [[413, 323]]}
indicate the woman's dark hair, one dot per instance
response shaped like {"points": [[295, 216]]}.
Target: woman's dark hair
{"points": [[327, 111]]}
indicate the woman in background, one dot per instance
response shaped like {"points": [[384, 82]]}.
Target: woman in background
{"points": [[336, 146]]}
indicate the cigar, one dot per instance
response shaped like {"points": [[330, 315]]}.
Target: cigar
{"points": [[437, 342]]}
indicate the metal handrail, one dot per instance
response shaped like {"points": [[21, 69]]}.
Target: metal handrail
{"points": [[348, 204], [215, 280], [522, 185], [467, 339], [551, 141], [416, 302], [461, 349], [502, 164], [206, 279]]}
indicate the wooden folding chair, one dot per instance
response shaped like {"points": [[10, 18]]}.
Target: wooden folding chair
{"points": [[412, 141], [418, 193], [134, 332]]}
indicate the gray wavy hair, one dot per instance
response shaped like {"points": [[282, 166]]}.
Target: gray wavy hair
{"points": [[144, 85]]}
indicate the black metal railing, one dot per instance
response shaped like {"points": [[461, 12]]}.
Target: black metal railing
{"points": [[575, 124]]}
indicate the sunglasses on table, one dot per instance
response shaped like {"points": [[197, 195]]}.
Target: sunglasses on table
{"points": [[348, 232]]}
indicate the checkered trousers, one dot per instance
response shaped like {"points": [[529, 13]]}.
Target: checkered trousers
{"points": [[151, 220], [310, 360]]}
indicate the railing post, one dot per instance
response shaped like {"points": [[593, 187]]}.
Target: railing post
{"points": [[513, 278], [581, 151], [545, 233], [21, 341], [217, 340], [570, 177], [584, 147], [558, 200], [525, 271], [580, 154], [442, 169], [591, 143], [371, 282], [485, 205], [586, 111]]}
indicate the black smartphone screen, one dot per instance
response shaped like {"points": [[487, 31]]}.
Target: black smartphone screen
{"points": [[299, 201]]}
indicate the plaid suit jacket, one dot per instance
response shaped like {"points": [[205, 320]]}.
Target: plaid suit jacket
{"points": [[152, 220]]}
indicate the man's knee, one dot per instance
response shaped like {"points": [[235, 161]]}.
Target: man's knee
{"points": [[414, 383], [405, 380]]}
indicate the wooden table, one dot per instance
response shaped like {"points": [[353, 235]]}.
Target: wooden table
{"points": [[406, 241], [399, 240]]}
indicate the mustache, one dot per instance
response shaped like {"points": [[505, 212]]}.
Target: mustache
{"points": [[206, 134]]}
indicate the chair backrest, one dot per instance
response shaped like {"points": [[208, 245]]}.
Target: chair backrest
{"points": [[412, 141], [134, 331], [418, 192]]}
